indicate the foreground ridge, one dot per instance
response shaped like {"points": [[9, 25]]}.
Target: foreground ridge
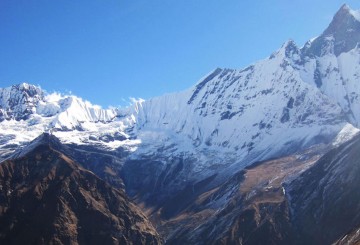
{"points": [[47, 198]]}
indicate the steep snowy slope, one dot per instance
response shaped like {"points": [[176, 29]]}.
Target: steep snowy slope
{"points": [[331, 62], [297, 97], [241, 111]]}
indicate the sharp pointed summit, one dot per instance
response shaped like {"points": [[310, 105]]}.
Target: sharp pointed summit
{"points": [[342, 35], [345, 18], [344, 8]]}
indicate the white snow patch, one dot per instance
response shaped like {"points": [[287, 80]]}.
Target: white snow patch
{"points": [[355, 13], [346, 134]]}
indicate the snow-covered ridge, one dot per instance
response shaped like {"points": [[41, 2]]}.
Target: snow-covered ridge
{"points": [[296, 97], [244, 111], [74, 112], [27, 111], [291, 100], [26, 102]]}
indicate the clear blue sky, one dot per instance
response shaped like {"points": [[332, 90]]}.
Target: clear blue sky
{"points": [[107, 51]]}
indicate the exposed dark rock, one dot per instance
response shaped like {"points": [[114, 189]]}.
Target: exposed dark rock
{"points": [[47, 198], [318, 76], [285, 115], [290, 103]]}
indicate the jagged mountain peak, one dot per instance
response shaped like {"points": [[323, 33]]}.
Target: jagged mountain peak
{"points": [[345, 7], [346, 10], [345, 18], [289, 43], [19, 101], [29, 102], [289, 50], [25, 89], [341, 36], [25, 86]]}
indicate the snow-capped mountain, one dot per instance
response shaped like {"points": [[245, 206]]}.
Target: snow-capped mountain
{"points": [[23, 101], [242, 111], [293, 99], [296, 97], [189, 152], [27, 110]]}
